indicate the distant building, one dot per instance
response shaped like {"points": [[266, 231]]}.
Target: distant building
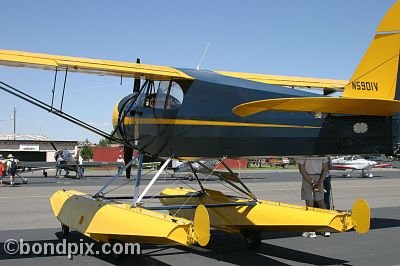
{"points": [[34, 147], [107, 154]]}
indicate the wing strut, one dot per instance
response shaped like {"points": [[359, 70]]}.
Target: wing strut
{"points": [[65, 83], [20, 94], [54, 88], [99, 193]]}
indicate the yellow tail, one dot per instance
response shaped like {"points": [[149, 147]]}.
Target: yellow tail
{"points": [[377, 76]]}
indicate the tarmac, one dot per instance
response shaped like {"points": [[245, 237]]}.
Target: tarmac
{"points": [[26, 215]]}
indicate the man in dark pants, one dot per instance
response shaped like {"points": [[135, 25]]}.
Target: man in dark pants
{"points": [[327, 194], [327, 185]]}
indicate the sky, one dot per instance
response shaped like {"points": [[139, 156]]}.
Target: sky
{"points": [[310, 38]]}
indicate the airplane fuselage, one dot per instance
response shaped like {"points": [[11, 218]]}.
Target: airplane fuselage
{"points": [[203, 125]]}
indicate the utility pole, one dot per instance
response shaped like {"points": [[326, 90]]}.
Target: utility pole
{"points": [[15, 119]]}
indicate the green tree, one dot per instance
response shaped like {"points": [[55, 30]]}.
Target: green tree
{"points": [[104, 142], [87, 150]]}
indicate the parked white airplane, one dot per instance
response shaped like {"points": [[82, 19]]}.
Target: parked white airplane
{"points": [[356, 162]]}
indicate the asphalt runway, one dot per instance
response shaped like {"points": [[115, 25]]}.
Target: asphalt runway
{"points": [[25, 214]]}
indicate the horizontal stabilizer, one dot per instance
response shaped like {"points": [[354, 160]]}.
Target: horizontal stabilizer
{"points": [[351, 106]]}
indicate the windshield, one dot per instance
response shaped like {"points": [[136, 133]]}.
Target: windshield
{"points": [[160, 95]]}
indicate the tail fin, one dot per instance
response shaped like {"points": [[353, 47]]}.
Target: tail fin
{"points": [[377, 76]]}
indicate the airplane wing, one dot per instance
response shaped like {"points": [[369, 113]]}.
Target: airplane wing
{"points": [[92, 66], [290, 81], [15, 58], [383, 165], [334, 105], [37, 166], [344, 167]]}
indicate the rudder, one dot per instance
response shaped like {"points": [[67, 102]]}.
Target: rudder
{"points": [[377, 76]]}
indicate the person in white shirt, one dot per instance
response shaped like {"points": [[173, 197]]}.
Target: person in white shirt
{"points": [[80, 167], [11, 168], [314, 170], [120, 160]]}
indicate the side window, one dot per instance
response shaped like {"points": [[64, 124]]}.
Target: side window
{"points": [[142, 94], [151, 93], [175, 97], [162, 94]]}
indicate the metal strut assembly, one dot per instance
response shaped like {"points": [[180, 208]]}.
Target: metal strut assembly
{"points": [[138, 178], [54, 88], [231, 176], [197, 178], [20, 94], [98, 193], [151, 182], [65, 83]]}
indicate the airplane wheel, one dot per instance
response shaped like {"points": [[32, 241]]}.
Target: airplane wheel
{"points": [[64, 230], [45, 174], [252, 238], [24, 181]]}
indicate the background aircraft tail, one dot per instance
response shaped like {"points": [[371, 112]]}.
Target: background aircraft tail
{"points": [[377, 76]]}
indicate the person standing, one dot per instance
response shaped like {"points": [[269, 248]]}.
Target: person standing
{"points": [[59, 161], [80, 167], [11, 168], [120, 160], [328, 186], [313, 170], [1, 170]]}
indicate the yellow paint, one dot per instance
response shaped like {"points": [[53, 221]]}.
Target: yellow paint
{"points": [[115, 115], [376, 75], [265, 215], [191, 122], [202, 225], [391, 21], [288, 80], [106, 220], [360, 211], [375, 107], [86, 65]]}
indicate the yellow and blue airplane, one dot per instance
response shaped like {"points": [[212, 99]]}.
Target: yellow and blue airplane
{"points": [[191, 114]]}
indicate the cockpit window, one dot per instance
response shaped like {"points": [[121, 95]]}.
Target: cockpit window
{"points": [[175, 97], [160, 95]]}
